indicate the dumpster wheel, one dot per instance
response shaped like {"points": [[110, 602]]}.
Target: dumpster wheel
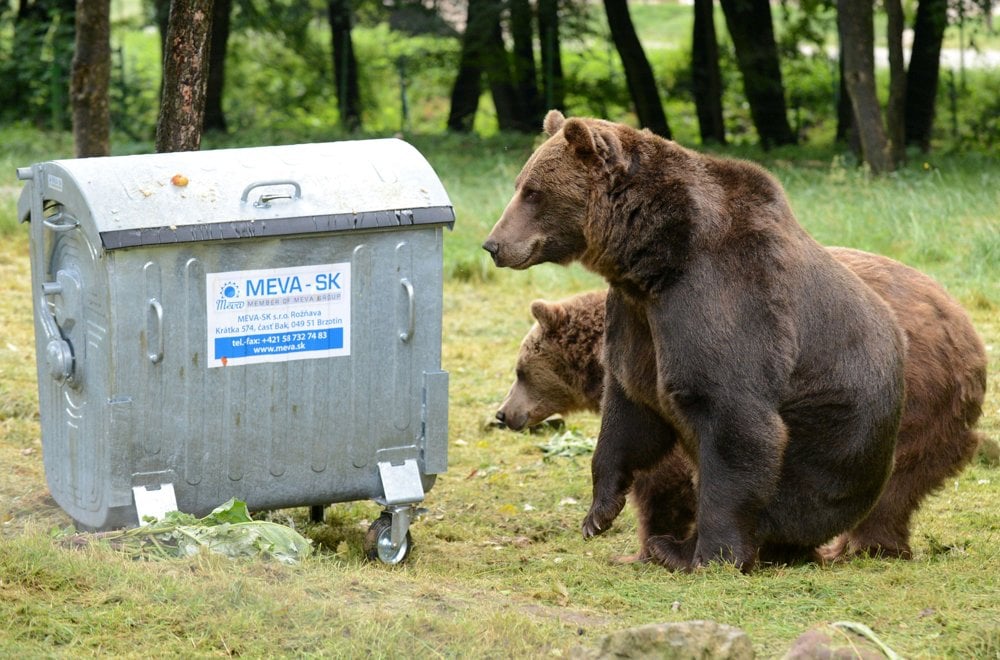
{"points": [[379, 545]]}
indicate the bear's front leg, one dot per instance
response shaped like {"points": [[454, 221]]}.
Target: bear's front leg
{"points": [[632, 437]]}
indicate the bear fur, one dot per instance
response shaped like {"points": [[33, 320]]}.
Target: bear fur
{"points": [[559, 371], [729, 331]]}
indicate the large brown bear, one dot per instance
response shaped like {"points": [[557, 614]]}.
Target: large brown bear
{"points": [[559, 371], [729, 330]]}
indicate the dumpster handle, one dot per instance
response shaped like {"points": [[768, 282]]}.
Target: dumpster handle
{"points": [[411, 310], [154, 305], [265, 200], [58, 354], [52, 223]]}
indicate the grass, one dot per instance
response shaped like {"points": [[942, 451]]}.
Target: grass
{"points": [[499, 568]]}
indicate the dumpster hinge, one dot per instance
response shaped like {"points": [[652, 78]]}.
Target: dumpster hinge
{"points": [[400, 482]]}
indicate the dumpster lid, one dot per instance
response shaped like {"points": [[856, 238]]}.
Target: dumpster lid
{"points": [[249, 192]]}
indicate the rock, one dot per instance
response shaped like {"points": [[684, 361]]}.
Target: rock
{"points": [[686, 640], [989, 452]]}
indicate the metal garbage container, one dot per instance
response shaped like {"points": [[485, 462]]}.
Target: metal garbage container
{"points": [[260, 323]]}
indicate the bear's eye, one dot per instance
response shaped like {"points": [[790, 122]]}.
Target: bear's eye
{"points": [[521, 376], [530, 195]]}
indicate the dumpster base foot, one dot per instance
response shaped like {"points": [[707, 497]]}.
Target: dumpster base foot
{"points": [[154, 502]]}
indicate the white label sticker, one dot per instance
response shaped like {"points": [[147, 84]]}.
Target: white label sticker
{"points": [[278, 314]]}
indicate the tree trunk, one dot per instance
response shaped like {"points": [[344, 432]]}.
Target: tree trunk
{"points": [[185, 75], [552, 74], [925, 65], [498, 73], [858, 44], [638, 72], [845, 116], [752, 31], [706, 77], [467, 88], [525, 77], [896, 107], [465, 97], [90, 79], [215, 119], [345, 65], [161, 14]]}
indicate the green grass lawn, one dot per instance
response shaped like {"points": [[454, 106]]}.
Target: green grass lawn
{"points": [[499, 568]]}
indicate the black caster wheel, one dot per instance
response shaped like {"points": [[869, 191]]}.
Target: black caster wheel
{"points": [[378, 542]]}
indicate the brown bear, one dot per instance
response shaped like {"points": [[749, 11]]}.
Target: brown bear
{"points": [[559, 371], [729, 330]]}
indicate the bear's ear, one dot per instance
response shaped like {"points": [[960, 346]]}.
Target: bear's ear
{"points": [[598, 142], [579, 138], [554, 120], [548, 315]]}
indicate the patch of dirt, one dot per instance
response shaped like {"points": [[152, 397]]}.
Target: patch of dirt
{"points": [[581, 619]]}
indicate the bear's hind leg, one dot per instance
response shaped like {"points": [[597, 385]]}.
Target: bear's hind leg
{"points": [[665, 500], [675, 555], [925, 458], [778, 554]]}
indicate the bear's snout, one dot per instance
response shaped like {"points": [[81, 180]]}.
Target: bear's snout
{"points": [[514, 423], [493, 248]]}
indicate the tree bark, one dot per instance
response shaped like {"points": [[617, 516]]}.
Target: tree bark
{"points": [[90, 78], [345, 65], [498, 73], [896, 106], [215, 119], [752, 31], [925, 66], [845, 115], [638, 72], [525, 76], [483, 51], [161, 15], [706, 77], [467, 89], [858, 44], [553, 86], [185, 76], [465, 97]]}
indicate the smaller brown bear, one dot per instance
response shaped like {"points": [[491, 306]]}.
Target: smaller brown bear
{"points": [[559, 370]]}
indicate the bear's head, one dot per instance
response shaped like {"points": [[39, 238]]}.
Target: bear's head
{"points": [[558, 365], [545, 220]]}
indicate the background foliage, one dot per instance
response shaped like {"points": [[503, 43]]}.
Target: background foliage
{"points": [[279, 70]]}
